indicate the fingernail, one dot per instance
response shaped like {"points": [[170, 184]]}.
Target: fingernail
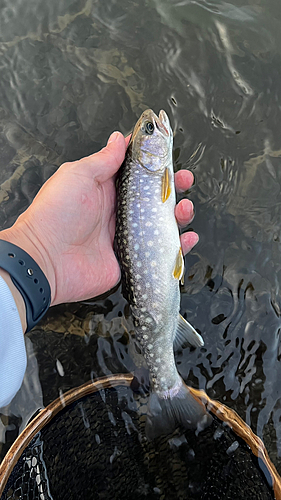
{"points": [[113, 137], [192, 211]]}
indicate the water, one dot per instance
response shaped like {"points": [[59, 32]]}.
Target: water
{"points": [[71, 73]]}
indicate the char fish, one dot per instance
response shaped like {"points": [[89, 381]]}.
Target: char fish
{"points": [[149, 252]]}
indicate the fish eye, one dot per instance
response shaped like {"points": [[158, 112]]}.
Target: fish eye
{"points": [[149, 128]]}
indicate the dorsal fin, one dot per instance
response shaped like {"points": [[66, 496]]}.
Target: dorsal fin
{"points": [[186, 333]]}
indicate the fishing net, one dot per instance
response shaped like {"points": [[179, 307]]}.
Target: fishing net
{"points": [[95, 448]]}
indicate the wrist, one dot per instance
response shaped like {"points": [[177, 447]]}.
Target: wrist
{"points": [[20, 234]]}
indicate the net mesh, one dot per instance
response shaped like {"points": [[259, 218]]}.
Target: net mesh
{"points": [[96, 449]]}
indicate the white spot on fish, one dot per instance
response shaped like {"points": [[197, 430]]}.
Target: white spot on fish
{"points": [[138, 264], [149, 346], [144, 328], [138, 277], [150, 243], [156, 231], [153, 263], [147, 254], [154, 209], [134, 224], [144, 296]]}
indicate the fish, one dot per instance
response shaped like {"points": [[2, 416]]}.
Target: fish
{"points": [[149, 252]]}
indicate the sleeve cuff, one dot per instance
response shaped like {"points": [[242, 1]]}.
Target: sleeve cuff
{"points": [[12, 347]]}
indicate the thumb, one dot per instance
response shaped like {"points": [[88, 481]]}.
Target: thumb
{"points": [[107, 161]]}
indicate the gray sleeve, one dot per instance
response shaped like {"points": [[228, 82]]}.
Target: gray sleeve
{"points": [[12, 347]]}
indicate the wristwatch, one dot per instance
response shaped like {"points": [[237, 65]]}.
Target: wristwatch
{"points": [[29, 279]]}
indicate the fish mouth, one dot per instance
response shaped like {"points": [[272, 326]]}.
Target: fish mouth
{"points": [[162, 123]]}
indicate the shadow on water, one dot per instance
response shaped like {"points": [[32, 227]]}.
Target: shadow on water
{"points": [[71, 73]]}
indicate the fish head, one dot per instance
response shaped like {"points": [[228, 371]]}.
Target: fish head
{"points": [[152, 141]]}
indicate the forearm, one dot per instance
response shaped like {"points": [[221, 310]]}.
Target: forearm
{"points": [[12, 347], [17, 297]]}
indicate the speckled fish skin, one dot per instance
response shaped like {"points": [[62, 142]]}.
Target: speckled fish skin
{"points": [[148, 245], [148, 249]]}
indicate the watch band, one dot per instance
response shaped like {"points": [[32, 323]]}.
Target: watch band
{"points": [[29, 279]]}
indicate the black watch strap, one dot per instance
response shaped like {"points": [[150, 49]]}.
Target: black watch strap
{"points": [[29, 279]]}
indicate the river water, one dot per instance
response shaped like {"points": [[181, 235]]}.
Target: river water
{"points": [[72, 72]]}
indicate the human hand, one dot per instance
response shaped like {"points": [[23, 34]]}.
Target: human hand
{"points": [[69, 228]]}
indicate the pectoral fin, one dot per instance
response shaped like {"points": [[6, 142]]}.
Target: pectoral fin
{"points": [[179, 266], [186, 333], [166, 185]]}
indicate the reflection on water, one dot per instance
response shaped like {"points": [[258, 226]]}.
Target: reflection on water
{"points": [[71, 73]]}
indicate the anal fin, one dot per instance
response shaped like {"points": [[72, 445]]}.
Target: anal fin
{"points": [[186, 333]]}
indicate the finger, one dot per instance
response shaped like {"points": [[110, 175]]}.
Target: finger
{"points": [[107, 161], [188, 241], [127, 139], [184, 212], [183, 180]]}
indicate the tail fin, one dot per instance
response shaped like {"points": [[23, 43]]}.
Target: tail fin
{"points": [[165, 414]]}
